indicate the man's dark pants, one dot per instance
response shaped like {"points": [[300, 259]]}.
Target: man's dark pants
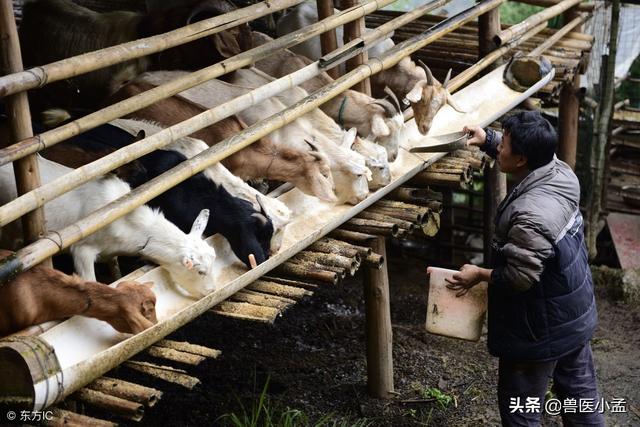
{"points": [[573, 376]]}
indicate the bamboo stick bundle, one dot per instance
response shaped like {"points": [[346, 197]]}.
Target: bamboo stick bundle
{"points": [[316, 266], [362, 251], [323, 258], [323, 245], [126, 390], [452, 161], [533, 21], [273, 288], [165, 373], [258, 298], [246, 311], [417, 196], [398, 209], [290, 282], [299, 271], [474, 162], [372, 227], [186, 347], [62, 417], [175, 355], [121, 407]]}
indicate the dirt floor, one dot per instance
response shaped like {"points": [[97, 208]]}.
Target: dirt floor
{"points": [[314, 360]]}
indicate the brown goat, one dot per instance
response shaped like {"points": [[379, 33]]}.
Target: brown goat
{"points": [[52, 30], [262, 159], [42, 294]]}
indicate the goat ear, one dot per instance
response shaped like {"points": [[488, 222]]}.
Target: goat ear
{"points": [[260, 217], [453, 104], [379, 127], [226, 44], [148, 284], [200, 224], [311, 146], [415, 94], [349, 137]]}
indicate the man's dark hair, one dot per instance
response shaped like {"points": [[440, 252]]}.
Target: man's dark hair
{"points": [[532, 136]]}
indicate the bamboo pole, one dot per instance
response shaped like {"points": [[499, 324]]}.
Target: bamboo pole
{"points": [[582, 7], [328, 39], [324, 246], [26, 171], [291, 283], [379, 341], [601, 131], [330, 259], [372, 227], [352, 236], [121, 407], [70, 67], [407, 225], [144, 99], [279, 289], [186, 347], [307, 271], [374, 260], [579, 20], [246, 311], [165, 373], [175, 355], [352, 31], [266, 300], [126, 390], [533, 21]]}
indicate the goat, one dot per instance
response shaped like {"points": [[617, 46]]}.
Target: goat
{"points": [[350, 176], [306, 169], [375, 157], [247, 230], [376, 119], [42, 294], [143, 231], [52, 30], [405, 79]]}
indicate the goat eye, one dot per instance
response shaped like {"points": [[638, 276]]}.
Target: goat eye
{"points": [[202, 273]]}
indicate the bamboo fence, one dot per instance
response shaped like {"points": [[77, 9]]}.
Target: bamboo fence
{"points": [[54, 242]]}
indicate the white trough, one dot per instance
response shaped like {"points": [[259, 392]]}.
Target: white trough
{"points": [[41, 370]]}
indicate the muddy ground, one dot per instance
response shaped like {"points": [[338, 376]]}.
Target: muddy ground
{"points": [[314, 360]]}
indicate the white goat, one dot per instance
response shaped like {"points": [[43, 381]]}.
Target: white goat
{"points": [[349, 175], [143, 231]]}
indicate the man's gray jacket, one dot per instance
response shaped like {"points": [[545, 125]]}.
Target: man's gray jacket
{"points": [[541, 301]]}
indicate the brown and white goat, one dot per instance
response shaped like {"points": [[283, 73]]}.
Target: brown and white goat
{"points": [[305, 168], [52, 30], [42, 294]]}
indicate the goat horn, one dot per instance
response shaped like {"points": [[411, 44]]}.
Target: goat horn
{"points": [[389, 109], [430, 78], [252, 261], [446, 79], [262, 210], [393, 96]]}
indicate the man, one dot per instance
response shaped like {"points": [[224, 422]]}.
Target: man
{"points": [[542, 310]]}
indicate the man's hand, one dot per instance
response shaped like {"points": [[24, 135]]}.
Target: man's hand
{"points": [[478, 135], [468, 276]]}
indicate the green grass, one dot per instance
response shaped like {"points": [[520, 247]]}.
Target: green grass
{"points": [[266, 412]]}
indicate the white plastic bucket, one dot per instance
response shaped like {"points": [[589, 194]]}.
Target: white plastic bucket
{"points": [[452, 316]]}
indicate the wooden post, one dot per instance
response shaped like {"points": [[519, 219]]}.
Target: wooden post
{"points": [[354, 30], [378, 326], [328, 40], [26, 169], [569, 108], [495, 182]]}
